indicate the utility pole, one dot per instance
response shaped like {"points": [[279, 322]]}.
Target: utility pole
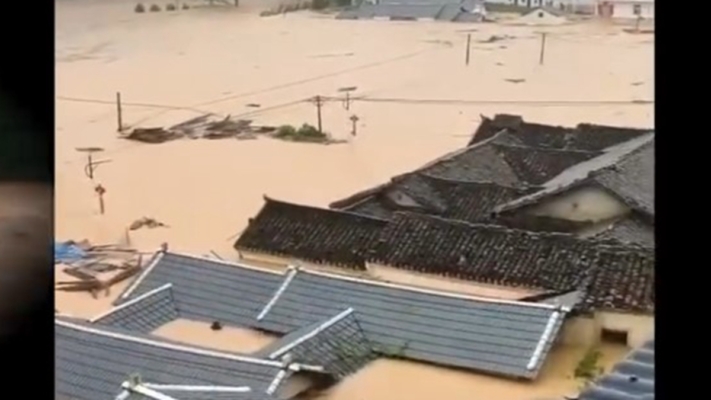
{"points": [[469, 42], [100, 192], [354, 129], [319, 102], [118, 111], [543, 47]]}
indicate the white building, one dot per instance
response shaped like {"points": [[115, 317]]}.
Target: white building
{"points": [[626, 9]]}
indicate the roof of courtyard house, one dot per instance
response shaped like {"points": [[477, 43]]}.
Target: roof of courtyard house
{"points": [[181, 286], [466, 201], [494, 336], [92, 362], [320, 313], [586, 137], [441, 10], [623, 275], [495, 161], [631, 379], [612, 276], [311, 234], [625, 170]]}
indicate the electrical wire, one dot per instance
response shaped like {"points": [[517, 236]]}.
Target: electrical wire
{"points": [[545, 103]]}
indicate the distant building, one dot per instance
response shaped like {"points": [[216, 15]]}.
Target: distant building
{"points": [[416, 10], [626, 9]]}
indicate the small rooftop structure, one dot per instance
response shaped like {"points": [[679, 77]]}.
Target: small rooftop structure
{"points": [[631, 379], [411, 10], [93, 362]]}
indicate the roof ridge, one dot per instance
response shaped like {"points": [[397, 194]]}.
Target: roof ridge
{"points": [[547, 149], [168, 345], [434, 292], [135, 300], [317, 208], [602, 244]]}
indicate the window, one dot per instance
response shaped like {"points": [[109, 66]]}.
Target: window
{"points": [[637, 9], [614, 337]]}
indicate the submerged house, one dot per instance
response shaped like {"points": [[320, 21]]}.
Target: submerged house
{"points": [[334, 325], [610, 196], [106, 362], [615, 281], [413, 10]]}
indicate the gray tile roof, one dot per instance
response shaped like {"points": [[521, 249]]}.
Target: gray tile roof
{"points": [[205, 290], [92, 362], [310, 233], [631, 379], [466, 201], [144, 313], [337, 343], [587, 137], [632, 230], [626, 170], [497, 337]]}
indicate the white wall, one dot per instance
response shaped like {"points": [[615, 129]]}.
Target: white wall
{"points": [[587, 331], [625, 10], [584, 204]]}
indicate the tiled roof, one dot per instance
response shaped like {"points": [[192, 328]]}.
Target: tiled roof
{"points": [[631, 379], [336, 343], [631, 229], [507, 165], [92, 362], [466, 201], [622, 278], [498, 337], [202, 290], [312, 234], [144, 313], [587, 137], [625, 170]]}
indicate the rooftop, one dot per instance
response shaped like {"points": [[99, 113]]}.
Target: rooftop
{"points": [[626, 170], [93, 361], [585, 137], [311, 234], [622, 276], [487, 254], [324, 315], [631, 379], [466, 201]]}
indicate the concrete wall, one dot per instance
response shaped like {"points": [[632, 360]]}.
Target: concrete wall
{"points": [[625, 10], [584, 204], [587, 331]]}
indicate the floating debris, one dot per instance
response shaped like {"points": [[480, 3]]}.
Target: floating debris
{"points": [[515, 80], [146, 222], [496, 38]]}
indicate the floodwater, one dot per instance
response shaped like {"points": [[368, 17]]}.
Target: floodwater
{"points": [[172, 66], [236, 340]]}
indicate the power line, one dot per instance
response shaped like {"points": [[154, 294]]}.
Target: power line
{"points": [[547, 103], [130, 104]]}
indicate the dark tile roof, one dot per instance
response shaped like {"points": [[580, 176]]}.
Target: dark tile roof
{"points": [[498, 337], [625, 170], [623, 277], [504, 164], [91, 362], [312, 234], [467, 201], [631, 379], [336, 343], [631, 229], [202, 290], [586, 137], [144, 313]]}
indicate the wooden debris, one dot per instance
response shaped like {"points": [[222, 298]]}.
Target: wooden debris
{"points": [[146, 222]]}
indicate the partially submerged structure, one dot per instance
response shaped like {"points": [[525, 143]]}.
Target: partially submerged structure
{"points": [[413, 10], [340, 323], [103, 362], [633, 378]]}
